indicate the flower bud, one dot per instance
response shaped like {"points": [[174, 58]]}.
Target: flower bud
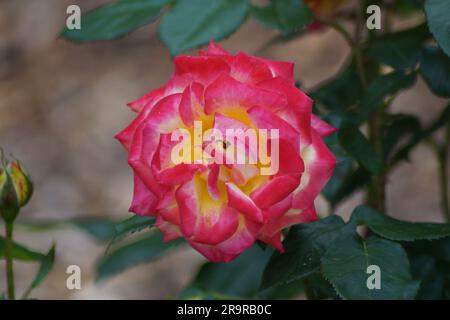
{"points": [[15, 189]]}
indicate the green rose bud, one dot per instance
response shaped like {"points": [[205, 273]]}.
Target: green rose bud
{"points": [[15, 189]]}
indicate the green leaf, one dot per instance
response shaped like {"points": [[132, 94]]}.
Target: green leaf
{"points": [[341, 92], [321, 287], [345, 264], [425, 268], [243, 274], [243, 279], [354, 181], [332, 143], [357, 145], [304, 246], [289, 290], [145, 249], [383, 87], [192, 23], [20, 252], [440, 249], [335, 184], [435, 69], [115, 20], [437, 15], [393, 229], [400, 50], [403, 153], [397, 128], [101, 229], [344, 166], [199, 294], [407, 7], [131, 225], [134, 224], [45, 267], [285, 15]]}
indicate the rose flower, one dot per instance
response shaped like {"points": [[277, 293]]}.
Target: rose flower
{"points": [[222, 207]]}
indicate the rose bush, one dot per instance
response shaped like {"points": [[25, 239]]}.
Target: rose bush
{"points": [[222, 209]]}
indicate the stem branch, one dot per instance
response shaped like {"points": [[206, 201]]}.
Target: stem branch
{"points": [[357, 45], [9, 260], [376, 193]]}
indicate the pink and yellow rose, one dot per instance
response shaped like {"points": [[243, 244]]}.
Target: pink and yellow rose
{"points": [[222, 209]]}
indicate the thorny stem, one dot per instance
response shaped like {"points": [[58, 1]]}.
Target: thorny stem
{"points": [[357, 45], [9, 260], [376, 190], [376, 193]]}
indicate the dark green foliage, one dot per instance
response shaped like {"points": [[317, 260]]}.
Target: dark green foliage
{"points": [[192, 23], [285, 15], [115, 20]]}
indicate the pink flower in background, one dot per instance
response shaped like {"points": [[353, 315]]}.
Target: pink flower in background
{"points": [[222, 209]]}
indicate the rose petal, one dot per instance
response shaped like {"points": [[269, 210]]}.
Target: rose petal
{"points": [[319, 165], [178, 174], [200, 69], [298, 109], [146, 140], [322, 128], [144, 201], [169, 230], [191, 105], [274, 241], [215, 49], [282, 69], [241, 240], [265, 119], [247, 69], [290, 161], [278, 209], [165, 107], [207, 222], [274, 190], [228, 94], [149, 98], [291, 217], [243, 203], [213, 178]]}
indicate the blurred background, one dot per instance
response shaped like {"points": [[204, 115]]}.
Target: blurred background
{"points": [[62, 103]]}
